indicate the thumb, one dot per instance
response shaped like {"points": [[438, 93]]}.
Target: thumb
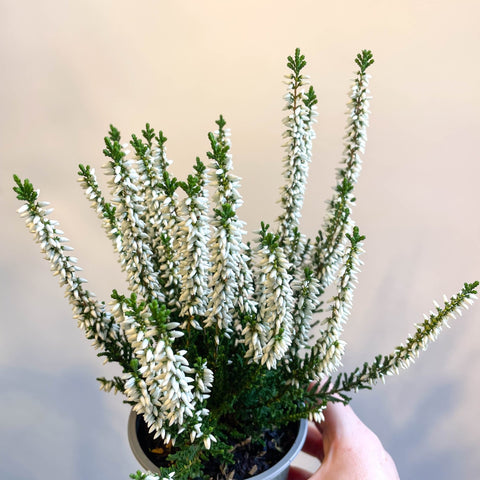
{"points": [[340, 425]]}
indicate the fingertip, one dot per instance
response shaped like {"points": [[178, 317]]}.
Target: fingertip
{"points": [[337, 415], [314, 442], [297, 473]]}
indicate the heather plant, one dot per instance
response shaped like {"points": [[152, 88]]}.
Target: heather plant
{"points": [[215, 337]]}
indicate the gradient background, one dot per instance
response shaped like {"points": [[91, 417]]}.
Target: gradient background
{"points": [[69, 68]]}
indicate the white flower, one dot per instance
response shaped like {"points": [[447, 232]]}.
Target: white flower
{"points": [[307, 296], [275, 300], [193, 255], [299, 135], [230, 278], [338, 221]]}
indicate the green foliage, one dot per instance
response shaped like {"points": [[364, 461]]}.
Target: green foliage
{"points": [[219, 150], [382, 365], [116, 383], [107, 209], [148, 134], [296, 65], [364, 60], [192, 186], [25, 191], [225, 214], [140, 147], [355, 238], [199, 168], [310, 98], [170, 184], [113, 149], [161, 139]]}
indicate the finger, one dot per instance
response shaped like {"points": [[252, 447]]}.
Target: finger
{"points": [[297, 473], [339, 421], [340, 424], [314, 442]]}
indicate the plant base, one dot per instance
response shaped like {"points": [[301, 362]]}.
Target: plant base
{"points": [[269, 462]]}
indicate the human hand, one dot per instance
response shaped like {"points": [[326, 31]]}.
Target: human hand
{"points": [[347, 449]]}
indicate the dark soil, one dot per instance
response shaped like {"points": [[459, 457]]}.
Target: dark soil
{"points": [[250, 459]]}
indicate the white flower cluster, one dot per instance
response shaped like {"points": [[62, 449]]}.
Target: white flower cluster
{"points": [[299, 133], [153, 476], [338, 221], [163, 388], [329, 348], [427, 332], [150, 161], [307, 294], [275, 300], [169, 244], [90, 313], [222, 281], [194, 262], [130, 204], [88, 181], [231, 281], [405, 354]]}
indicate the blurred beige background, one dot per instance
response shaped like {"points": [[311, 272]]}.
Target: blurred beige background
{"points": [[69, 68]]}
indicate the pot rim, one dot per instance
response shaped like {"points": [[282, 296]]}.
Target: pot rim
{"points": [[288, 458], [139, 454], [271, 473]]}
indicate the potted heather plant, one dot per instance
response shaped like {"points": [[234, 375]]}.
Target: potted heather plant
{"points": [[225, 345]]}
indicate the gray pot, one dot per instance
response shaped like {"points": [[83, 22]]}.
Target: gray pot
{"points": [[278, 472]]}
